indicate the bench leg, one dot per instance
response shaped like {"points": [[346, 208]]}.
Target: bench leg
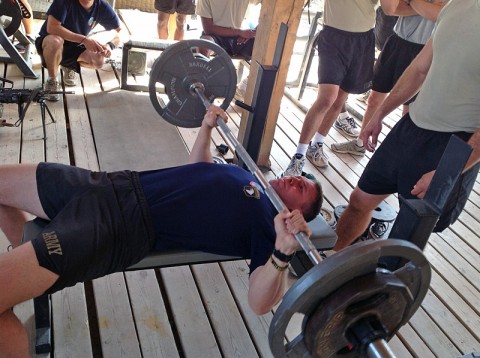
{"points": [[43, 309]]}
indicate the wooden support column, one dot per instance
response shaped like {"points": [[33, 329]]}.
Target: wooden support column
{"points": [[273, 13]]}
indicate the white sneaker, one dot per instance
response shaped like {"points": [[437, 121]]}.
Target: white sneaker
{"points": [[69, 77], [350, 147], [52, 85], [316, 155], [347, 126], [295, 167]]}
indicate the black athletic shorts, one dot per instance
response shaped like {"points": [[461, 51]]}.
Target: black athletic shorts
{"points": [[230, 45], [185, 7], [100, 223], [396, 56], [71, 53], [404, 156], [346, 59]]}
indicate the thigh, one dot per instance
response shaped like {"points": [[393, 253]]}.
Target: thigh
{"points": [[18, 188], [21, 277]]}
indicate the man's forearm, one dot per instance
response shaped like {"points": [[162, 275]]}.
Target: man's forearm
{"points": [[427, 9], [266, 288], [201, 148], [474, 158]]}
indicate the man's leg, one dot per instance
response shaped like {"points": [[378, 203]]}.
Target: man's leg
{"points": [[21, 277], [162, 25], [180, 20], [52, 47], [356, 217]]}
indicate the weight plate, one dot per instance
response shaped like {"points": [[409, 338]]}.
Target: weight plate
{"points": [[178, 68], [11, 10], [324, 279]]}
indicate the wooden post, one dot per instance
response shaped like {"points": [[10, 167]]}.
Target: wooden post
{"points": [[273, 13]]}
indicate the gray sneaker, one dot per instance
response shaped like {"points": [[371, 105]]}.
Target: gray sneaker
{"points": [[347, 126], [69, 77], [350, 147], [52, 85], [316, 155], [295, 167]]}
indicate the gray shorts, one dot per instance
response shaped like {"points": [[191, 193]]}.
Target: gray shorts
{"points": [[100, 223]]}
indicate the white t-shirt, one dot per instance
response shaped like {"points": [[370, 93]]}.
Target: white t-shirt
{"points": [[225, 13], [449, 100]]}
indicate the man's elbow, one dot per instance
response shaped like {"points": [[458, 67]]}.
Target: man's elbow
{"points": [[260, 310]]}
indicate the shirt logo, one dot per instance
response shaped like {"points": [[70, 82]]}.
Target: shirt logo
{"points": [[255, 185], [91, 22], [251, 192]]}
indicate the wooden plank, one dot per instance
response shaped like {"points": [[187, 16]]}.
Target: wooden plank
{"points": [[231, 332], [194, 330], [152, 323], [237, 275], [115, 320], [414, 343], [435, 339]]}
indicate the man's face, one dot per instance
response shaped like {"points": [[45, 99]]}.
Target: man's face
{"points": [[296, 192]]}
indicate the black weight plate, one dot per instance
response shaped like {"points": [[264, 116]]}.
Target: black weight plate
{"points": [[332, 273], [11, 10], [178, 68]]}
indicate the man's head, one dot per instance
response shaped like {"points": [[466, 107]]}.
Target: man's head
{"points": [[298, 192]]}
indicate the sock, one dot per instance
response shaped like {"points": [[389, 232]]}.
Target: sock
{"points": [[344, 115], [359, 142], [318, 139], [301, 150]]}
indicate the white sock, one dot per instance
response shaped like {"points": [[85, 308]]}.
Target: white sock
{"points": [[302, 149], [359, 142], [319, 139], [344, 115]]}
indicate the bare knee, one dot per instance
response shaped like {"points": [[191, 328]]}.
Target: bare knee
{"points": [[52, 43]]}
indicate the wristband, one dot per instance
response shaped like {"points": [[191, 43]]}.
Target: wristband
{"points": [[277, 266], [84, 38], [282, 257], [111, 45]]}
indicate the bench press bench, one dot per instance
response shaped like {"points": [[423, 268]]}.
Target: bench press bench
{"points": [[323, 237]]}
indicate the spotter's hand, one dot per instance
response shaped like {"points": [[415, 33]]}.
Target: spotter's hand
{"points": [[213, 112]]}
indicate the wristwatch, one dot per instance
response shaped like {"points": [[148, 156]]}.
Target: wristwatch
{"points": [[283, 257]]}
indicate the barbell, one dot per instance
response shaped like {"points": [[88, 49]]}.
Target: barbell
{"points": [[350, 305]]}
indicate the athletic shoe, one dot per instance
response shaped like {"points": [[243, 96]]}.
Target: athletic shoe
{"points": [[52, 85], [347, 126], [295, 167], [364, 97], [69, 77], [350, 147], [316, 155]]}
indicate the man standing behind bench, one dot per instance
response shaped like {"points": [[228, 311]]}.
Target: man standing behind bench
{"points": [[105, 222], [63, 39]]}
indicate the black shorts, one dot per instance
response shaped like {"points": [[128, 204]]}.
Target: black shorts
{"points": [[230, 45], [396, 56], [404, 156], [100, 223], [71, 53], [185, 7], [346, 59]]}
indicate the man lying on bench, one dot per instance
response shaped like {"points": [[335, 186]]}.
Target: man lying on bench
{"points": [[104, 222]]}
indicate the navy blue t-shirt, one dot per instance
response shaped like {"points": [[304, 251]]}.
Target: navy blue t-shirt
{"points": [[216, 208], [76, 19]]}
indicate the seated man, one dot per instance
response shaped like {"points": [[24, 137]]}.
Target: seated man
{"points": [[222, 22], [63, 39], [104, 222]]}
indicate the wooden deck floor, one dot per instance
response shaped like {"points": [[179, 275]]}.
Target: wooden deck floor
{"points": [[201, 310]]}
